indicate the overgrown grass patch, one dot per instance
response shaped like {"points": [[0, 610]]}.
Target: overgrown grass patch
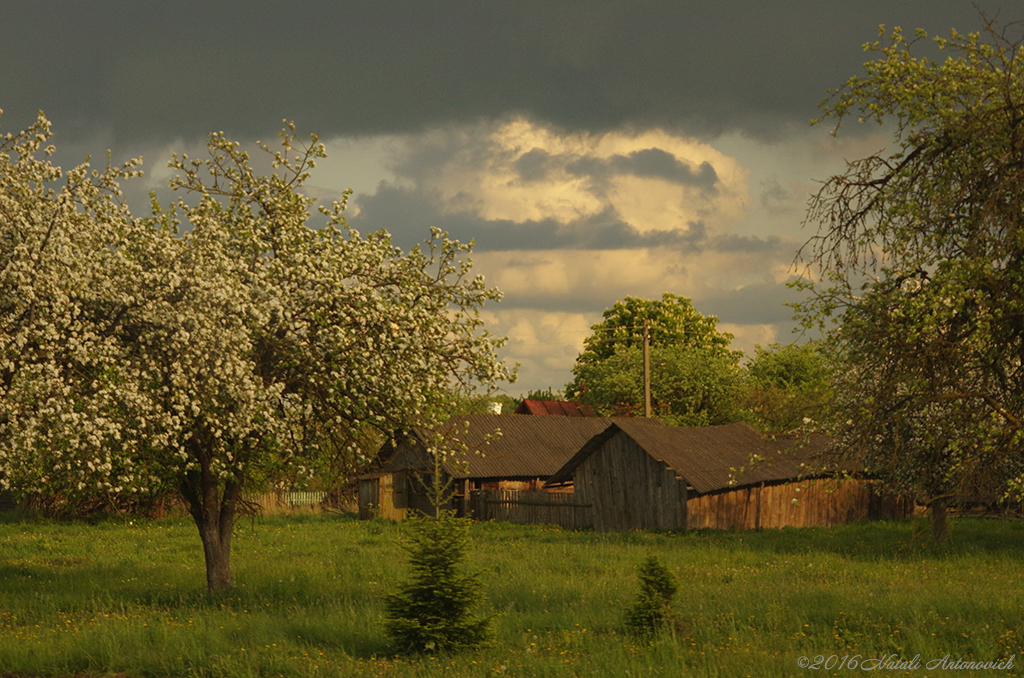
{"points": [[128, 597]]}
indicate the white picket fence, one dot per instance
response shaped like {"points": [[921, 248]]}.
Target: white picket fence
{"points": [[277, 502]]}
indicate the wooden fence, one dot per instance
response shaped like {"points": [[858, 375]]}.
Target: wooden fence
{"points": [[286, 502], [530, 507]]}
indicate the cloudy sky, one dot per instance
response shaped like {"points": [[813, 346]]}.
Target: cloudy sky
{"points": [[593, 150]]}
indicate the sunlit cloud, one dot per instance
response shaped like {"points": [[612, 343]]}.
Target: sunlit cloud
{"points": [[566, 224], [522, 172]]}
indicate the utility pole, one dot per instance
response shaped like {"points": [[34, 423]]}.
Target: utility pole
{"points": [[647, 370]]}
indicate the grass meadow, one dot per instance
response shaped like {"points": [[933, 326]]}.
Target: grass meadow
{"points": [[126, 598]]}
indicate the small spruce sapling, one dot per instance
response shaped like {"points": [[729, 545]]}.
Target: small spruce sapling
{"points": [[433, 612], [649, 612]]}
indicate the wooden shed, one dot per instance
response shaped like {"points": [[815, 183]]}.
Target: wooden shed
{"points": [[640, 477], [525, 454]]}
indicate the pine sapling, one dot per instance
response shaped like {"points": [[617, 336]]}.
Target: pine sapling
{"points": [[433, 611], [650, 611]]}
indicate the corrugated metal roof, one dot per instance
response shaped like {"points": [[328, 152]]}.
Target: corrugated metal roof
{"points": [[528, 447], [712, 458], [564, 408]]}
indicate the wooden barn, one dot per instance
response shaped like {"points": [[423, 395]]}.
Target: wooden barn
{"points": [[527, 452], [632, 476]]}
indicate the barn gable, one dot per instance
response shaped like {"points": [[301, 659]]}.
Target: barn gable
{"points": [[627, 488], [635, 477], [712, 458]]}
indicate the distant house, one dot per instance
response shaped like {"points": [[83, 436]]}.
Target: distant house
{"points": [[564, 408], [527, 452], [634, 476]]}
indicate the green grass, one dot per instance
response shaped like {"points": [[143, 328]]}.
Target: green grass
{"points": [[118, 598]]}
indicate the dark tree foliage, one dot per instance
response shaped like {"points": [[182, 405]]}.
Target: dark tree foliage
{"points": [[545, 394], [787, 387], [690, 386]]}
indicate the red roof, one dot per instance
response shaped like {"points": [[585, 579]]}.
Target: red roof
{"points": [[563, 408]]}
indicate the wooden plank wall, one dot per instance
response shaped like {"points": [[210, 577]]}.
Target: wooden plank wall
{"points": [[808, 503], [530, 507], [629, 490], [377, 499]]}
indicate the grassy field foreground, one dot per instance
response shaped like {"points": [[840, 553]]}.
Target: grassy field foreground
{"points": [[126, 598]]}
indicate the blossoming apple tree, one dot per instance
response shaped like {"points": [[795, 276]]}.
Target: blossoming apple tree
{"points": [[218, 337]]}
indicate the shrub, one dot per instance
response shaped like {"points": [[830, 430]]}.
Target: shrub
{"points": [[649, 612], [432, 612]]}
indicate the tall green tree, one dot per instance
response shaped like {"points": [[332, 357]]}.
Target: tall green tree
{"points": [[694, 374], [672, 320], [919, 256], [690, 386], [787, 386]]}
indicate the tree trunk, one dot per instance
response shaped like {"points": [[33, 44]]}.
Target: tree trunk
{"points": [[217, 551], [939, 532], [213, 511]]}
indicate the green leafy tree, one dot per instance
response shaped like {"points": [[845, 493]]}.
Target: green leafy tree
{"points": [[140, 353], [484, 404], [920, 260], [690, 386], [434, 611], [672, 320], [694, 374], [787, 386], [545, 394]]}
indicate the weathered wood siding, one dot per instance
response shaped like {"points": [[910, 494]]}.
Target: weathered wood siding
{"points": [[628, 490], [393, 495], [377, 497], [530, 507], [807, 503]]}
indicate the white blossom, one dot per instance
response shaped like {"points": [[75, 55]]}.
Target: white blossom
{"points": [[220, 335]]}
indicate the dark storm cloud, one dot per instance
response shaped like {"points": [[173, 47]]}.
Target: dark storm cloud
{"points": [[774, 198], [533, 165], [155, 71], [408, 214], [650, 163], [763, 304], [654, 162]]}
